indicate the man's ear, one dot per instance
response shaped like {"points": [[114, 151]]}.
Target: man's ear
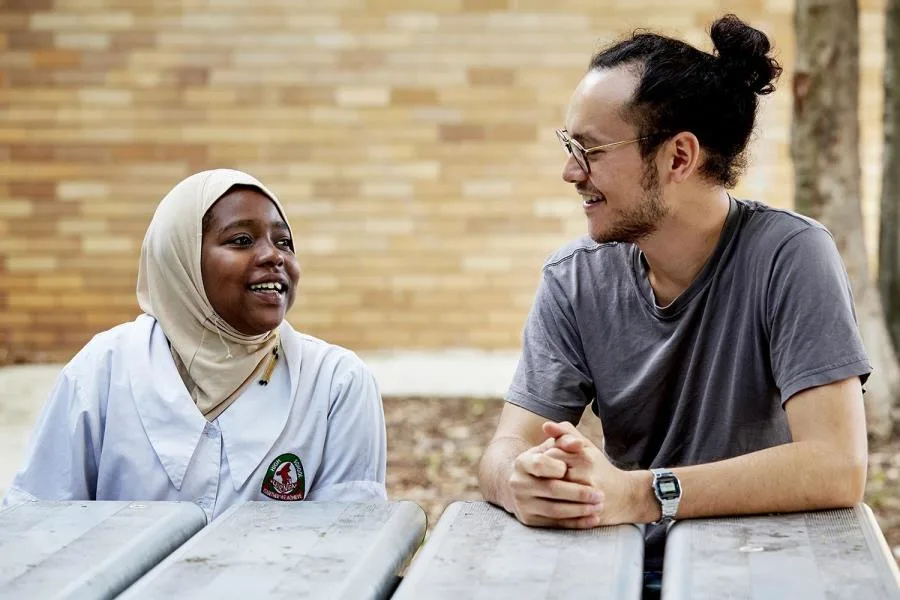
{"points": [[683, 156]]}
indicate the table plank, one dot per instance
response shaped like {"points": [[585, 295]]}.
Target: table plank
{"points": [[478, 551], [292, 550], [87, 549], [833, 554]]}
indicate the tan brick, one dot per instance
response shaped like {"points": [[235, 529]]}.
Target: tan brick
{"points": [[106, 244], [32, 338], [16, 208], [413, 96], [81, 190], [66, 283], [56, 59], [31, 263], [102, 21], [363, 96], [487, 263], [15, 319], [27, 40], [461, 133], [491, 76], [31, 301], [28, 5], [82, 41], [80, 226], [106, 97]]}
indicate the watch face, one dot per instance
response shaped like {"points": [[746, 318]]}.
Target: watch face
{"points": [[668, 488]]}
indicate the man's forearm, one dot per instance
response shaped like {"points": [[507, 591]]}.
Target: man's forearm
{"points": [[496, 466], [791, 477]]}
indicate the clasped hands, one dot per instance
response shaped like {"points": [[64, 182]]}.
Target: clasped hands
{"points": [[568, 482]]}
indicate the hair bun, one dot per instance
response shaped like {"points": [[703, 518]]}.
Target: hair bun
{"points": [[743, 53]]}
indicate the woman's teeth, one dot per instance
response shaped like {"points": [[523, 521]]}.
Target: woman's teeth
{"points": [[261, 287]]}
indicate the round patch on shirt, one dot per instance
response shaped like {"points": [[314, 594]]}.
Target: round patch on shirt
{"points": [[284, 478]]}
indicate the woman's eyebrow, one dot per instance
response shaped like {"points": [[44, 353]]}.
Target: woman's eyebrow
{"points": [[252, 223]]}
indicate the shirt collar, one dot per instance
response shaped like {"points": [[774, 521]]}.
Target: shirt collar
{"points": [[171, 420]]}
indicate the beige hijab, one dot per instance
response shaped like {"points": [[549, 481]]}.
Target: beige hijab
{"points": [[215, 361]]}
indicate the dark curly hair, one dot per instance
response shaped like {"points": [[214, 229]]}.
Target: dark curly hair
{"points": [[713, 96]]}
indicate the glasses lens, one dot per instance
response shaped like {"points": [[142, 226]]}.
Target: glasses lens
{"points": [[564, 140], [580, 158], [573, 150]]}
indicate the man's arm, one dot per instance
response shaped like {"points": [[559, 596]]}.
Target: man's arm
{"points": [[823, 467], [516, 474]]}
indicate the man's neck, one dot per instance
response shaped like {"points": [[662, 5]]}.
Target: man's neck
{"points": [[685, 240]]}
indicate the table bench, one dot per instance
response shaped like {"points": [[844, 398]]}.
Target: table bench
{"points": [[833, 554], [87, 549], [478, 551], [292, 550]]}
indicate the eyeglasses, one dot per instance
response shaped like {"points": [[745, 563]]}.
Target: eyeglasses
{"points": [[573, 148]]}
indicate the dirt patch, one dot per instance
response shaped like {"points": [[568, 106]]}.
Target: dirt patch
{"points": [[434, 446]]}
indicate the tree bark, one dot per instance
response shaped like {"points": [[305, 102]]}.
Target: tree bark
{"points": [[825, 149], [889, 235]]}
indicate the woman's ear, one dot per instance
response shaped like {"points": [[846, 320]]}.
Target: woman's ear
{"points": [[684, 154]]}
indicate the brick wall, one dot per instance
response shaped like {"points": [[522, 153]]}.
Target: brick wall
{"points": [[412, 143]]}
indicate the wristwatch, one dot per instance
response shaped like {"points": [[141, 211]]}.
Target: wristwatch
{"points": [[667, 490]]}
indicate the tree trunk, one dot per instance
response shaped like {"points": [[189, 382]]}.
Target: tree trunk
{"points": [[825, 149], [889, 238]]}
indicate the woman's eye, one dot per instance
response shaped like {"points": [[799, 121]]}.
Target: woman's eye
{"points": [[286, 243], [242, 240]]}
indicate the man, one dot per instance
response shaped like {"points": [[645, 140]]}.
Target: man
{"points": [[715, 338]]}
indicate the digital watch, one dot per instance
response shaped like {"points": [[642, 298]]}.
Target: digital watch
{"points": [[667, 490]]}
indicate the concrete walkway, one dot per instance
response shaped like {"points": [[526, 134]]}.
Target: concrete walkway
{"points": [[456, 373], [23, 391]]}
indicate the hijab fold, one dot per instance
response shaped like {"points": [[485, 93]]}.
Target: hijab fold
{"points": [[215, 360]]}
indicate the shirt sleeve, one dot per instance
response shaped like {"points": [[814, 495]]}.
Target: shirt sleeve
{"points": [[355, 456], [814, 339], [61, 457], [551, 378]]}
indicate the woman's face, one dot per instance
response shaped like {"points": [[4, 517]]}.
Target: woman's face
{"points": [[247, 260]]}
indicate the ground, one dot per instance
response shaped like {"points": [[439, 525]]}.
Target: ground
{"points": [[434, 446]]}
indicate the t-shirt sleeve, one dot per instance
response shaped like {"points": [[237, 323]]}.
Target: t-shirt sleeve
{"points": [[814, 339], [61, 458], [551, 378], [355, 456]]}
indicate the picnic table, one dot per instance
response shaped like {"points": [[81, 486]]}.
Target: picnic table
{"points": [[87, 549], [833, 554], [292, 550], [479, 551]]}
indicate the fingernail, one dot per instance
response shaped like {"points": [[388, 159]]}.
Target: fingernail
{"points": [[596, 497]]}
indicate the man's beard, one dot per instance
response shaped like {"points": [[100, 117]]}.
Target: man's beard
{"points": [[642, 220]]}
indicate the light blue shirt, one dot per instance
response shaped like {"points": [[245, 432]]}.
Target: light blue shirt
{"points": [[120, 425]]}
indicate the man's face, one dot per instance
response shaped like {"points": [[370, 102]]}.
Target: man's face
{"points": [[622, 197], [247, 259]]}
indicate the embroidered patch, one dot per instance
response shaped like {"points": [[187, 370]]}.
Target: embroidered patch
{"points": [[284, 478]]}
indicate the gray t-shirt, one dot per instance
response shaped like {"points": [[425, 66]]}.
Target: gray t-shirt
{"points": [[706, 377]]}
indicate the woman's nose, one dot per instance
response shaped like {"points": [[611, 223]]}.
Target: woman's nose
{"points": [[271, 254]]}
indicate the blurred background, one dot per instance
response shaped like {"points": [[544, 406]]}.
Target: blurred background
{"points": [[412, 144]]}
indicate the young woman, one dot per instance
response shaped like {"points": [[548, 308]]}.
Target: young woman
{"points": [[210, 396]]}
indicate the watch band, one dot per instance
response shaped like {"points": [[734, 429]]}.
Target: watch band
{"points": [[667, 489]]}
